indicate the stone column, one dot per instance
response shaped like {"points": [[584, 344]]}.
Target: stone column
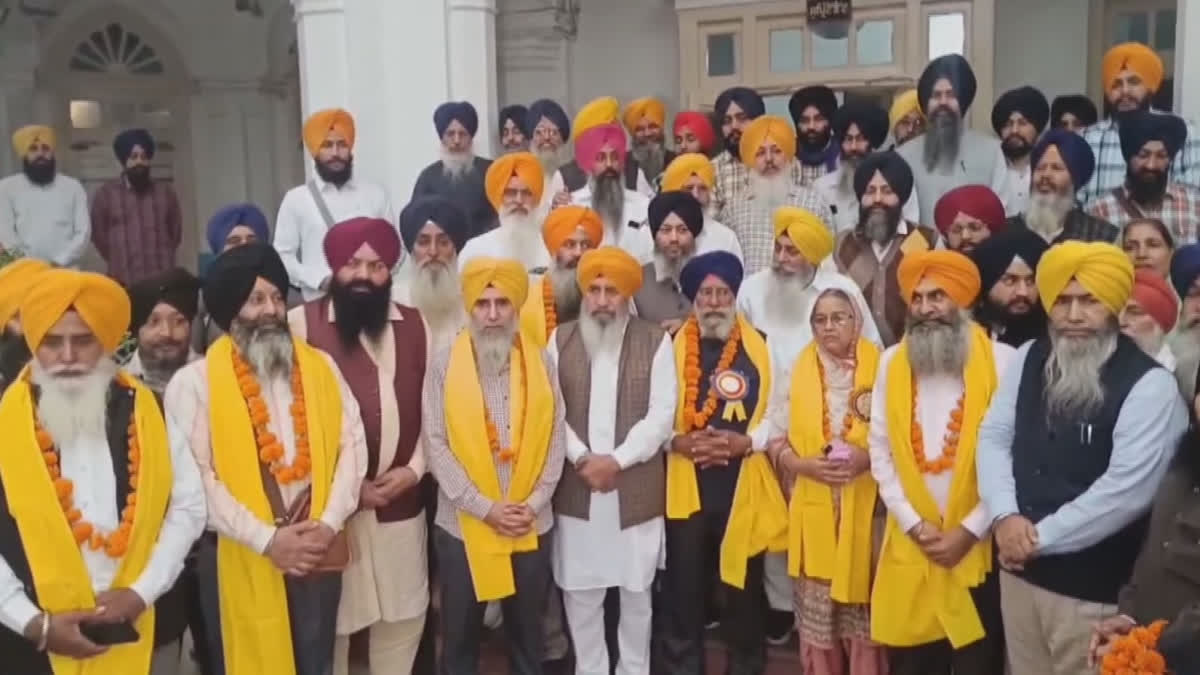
{"points": [[472, 54], [1187, 59]]}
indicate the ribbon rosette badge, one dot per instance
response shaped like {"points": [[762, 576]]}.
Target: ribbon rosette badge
{"points": [[732, 387]]}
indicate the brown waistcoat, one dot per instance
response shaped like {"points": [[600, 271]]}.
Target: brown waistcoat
{"points": [[855, 257], [642, 488], [362, 376]]}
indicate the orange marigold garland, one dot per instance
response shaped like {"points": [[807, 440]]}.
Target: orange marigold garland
{"points": [[509, 454], [949, 441], [693, 418], [1136, 653], [270, 448], [847, 419], [548, 304]]}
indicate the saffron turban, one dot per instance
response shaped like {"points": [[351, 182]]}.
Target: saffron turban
{"points": [[550, 110], [648, 108], [1154, 295], [589, 142], [324, 122], [32, 134], [1185, 268], [1136, 57], [951, 271], [809, 233], [995, 254], [700, 125], [1078, 105], [747, 99], [1026, 100], [232, 275], [16, 279], [976, 201], [1101, 268], [904, 104], [461, 111], [720, 264], [564, 221], [345, 238], [891, 166], [523, 165], [766, 127], [516, 114], [1140, 127], [127, 140], [442, 212], [595, 113], [1076, 153], [682, 204], [819, 96], [176, 287], [614, 264], [954, 68], [682, 168], [228, 217], [100, 302], [871, 120], [507, 276]]}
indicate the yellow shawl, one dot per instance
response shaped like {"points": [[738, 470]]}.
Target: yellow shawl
{"points": [[60, 576], [533, 312], [758, 517], [489, 554], [916, 600], [839, 552], [254, 618]]}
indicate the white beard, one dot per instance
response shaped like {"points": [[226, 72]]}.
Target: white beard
{"points": [[435, 291], [1073, 392], [1185, 344], [553, 160], [717, 324], [602, 336], [1048, 212], [492, 347], [787, 298], [936, 348], [75, 408], [455, 165], [521, 239], [771, 192]]}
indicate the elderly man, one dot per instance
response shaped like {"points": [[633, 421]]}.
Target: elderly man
{"points": [[1018, 118], [870, 253], [514, 185], [555, 297], [677, 222], [1149, 141], [934, 601], [694, 133], [646, 119], [574, 175], [906, 118], [496, 473], [164, 307], [43, 213], [1132, 74], [948, 154], [331, 196], [1185, 341], [812, 110], [694, 173], [1069, 487], [721, 493], [548, 129], [512, 128], [611, 500], [1149, 316], [1062, 161], [16, 279], [734, 109], [1072, 112], [231, 226], [1008, 308], [98, 505], [968, 215], [459, 174], [282, 456], [434, 230]]}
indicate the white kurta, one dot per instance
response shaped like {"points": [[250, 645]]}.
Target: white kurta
{"points": [[1017, 199], [50, 222], [637, 242], [596, 553], [716, 236]]}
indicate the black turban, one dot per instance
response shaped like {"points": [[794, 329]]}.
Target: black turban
{"points": [[747, 99], [124, 142], [954, 68], [894, 169], [552, 111], [997, 252], [1028, 101], [176, 287], [682, 204], [871, 120], [450, 111], [1078, 105], [516, 113], [1075, 152], [232, 275], [441, 211], [1139, 128], [721, 264], [818, 96]]}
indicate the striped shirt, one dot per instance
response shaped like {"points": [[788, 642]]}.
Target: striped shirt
{"points": [[755, 226], [1179, 210], [1105, 140], [136, 233]]}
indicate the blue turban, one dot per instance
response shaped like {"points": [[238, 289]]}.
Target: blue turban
{"points": [[438, 210], [552, 111], [1139, 128], [721, 264], [516, 113], [1076, 153], [1185, 267], [450, 111], [747, 99], [124, 142], [228, 217]]}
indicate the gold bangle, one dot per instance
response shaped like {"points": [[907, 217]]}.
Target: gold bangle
{"points": [[44, 639]]}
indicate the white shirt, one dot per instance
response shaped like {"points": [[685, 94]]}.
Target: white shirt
{"points": [[555, 184], [50, 222], [88, 464], [300, 229], [1017, 200], [527, 248], [846, 206], [637, 242], [716, 236]]}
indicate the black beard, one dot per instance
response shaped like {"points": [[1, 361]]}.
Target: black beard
{"points": [[1110, 110], [359, 312], [812, 142], [14, 354], [1015, 147], [1146, 186], [338, 177], [139, 178], [733, 143], [1013, 330], [40, 172]]}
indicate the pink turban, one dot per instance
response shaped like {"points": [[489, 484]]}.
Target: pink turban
{"points": [[345, 238], [589, 143]]}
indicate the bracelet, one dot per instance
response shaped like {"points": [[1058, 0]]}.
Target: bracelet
{"points": [[44, 639]]}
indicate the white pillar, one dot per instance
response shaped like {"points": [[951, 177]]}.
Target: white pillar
{"points": [[1187, 59], [472, 52]]}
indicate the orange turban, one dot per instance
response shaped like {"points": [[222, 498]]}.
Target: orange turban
{"points": [[507, 276], [1133, 56], [952, 271], [16, 280], [598, 111], [322, 122], [683, 167], [101, 303], [757, 132], [564, 221], [34, 133], [649, 108], [523, 165], [614, 264]]}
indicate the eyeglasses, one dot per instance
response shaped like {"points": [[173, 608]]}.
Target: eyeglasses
{"points": [[837, 320]]}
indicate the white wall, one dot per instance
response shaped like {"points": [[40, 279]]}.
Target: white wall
{"points": [[1042, 43]]}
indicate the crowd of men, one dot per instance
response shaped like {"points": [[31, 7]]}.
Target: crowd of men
{"points": [[614, 395]]}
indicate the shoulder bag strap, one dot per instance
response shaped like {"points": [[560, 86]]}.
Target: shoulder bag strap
{"points": [[321, 205], [1126, 204]]}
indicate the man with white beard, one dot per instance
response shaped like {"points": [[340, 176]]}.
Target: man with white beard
{"points": [[514, 185], [1080, 432], [434, 231], [617, 375], [459, 174], [600, 151], [1062, 161], [1149, 315], [98, 505], [1185, 341], [554, 298], [646, 119]]}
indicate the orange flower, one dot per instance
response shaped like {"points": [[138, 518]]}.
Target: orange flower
{"points": [[44, 441], [949, 441], [549, 306], [82, 531]]}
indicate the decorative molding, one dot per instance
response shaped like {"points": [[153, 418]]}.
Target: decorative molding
{"points": [[529, 41], [313, 7]]}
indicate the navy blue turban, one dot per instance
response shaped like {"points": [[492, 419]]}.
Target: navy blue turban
{"points": [[124, 142], [228, 217], [1139, 128], [1076, 153], [232, 276], [1078, 105], [450, 111], [1185, 267], [682, 204], [552, 111], [438, 210], [747, 99], [955, 68], [516, 113], [894, 169], [721, 264]]}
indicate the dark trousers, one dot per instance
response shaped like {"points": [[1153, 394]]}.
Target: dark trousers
{"points": [[983, 657], [210, 604], [195, 613], [425, 662], [462, 614], [693, 548]]}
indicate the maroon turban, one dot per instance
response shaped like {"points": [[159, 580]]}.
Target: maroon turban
{"points": [[345, 238], [977, 201]]}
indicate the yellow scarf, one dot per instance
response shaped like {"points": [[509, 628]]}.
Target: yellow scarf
{"points": [[60, 576], [758, 516], [254, 618], [916, 600], [844, 558], [489, 554], [533, 312]]}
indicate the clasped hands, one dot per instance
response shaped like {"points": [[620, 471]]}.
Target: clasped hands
{"points": [[833, 473], [298, 548], [711, 447], [383, 489], [946, 549], [599, 471], [511, 520], [63, 634], [1017, 539]]}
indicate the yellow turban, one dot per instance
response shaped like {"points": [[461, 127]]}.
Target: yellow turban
{"points": [[613, 264], [322, 122], [16, 279], [562, 222], [34, 133], [683, 167], [598, 111], [505, 275], [101, 303], [1133, 56], [523, 165], [903, 105], [1101, 268], [809, 233], [649, 108], [757, 132], [952, 271]]}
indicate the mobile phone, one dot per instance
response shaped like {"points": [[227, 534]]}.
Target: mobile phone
{"points": [[107, 634]]}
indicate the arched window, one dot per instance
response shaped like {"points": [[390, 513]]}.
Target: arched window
{"points": [[115, 51]]}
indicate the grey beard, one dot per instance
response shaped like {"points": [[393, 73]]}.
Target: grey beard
{"points": [[936, 347], [74, 408], [492, 346], [942, 139], [650, 158], [553, 160], [567, 296], [1048, 212], [601, 335], [665, 268], [1073, 390], [455, 165], [267, 348], [846, 178], [770, 192], [716, 324], [608, 199], [1150, 344], [156, 373], [1185, 344], [878, 227], [787, 295], [435, 291]]}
